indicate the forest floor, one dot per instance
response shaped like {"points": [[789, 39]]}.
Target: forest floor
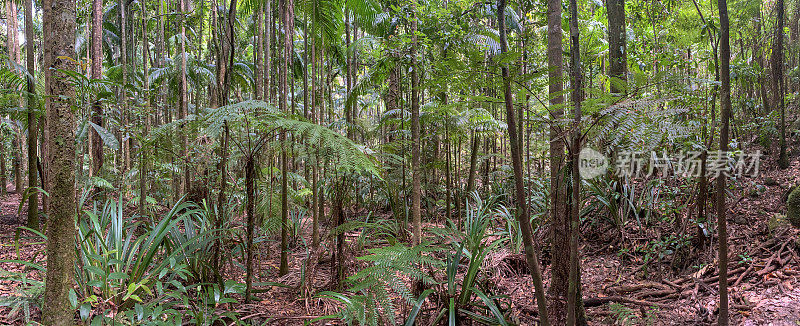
{"points": [[680, 289]]}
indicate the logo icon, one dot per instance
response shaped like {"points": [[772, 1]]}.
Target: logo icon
{"points": [[592, 163]]}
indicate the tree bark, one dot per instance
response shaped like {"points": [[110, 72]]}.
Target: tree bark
{"points": [[258, 90], [777, 81], [59, 28], [725, 106], [33, 126], [558, 192], [183, 101], [531, 251], [249, 177], [617, 39], [97, 73], [575, 312], [416, 214]]}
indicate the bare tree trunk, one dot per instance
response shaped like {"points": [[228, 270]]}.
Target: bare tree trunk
{"points": [[558, 192], [146, 120], [531, 252], [3, 172], [473, 164], [59, 28], [12, 45], [97, 73], [268, 52], [575, 311], [222, 201], [617, 39], [183, 102], [725, 106], [33, 126], [258, 89], [777, 82], [416, 213], [249, 178], [288, 25]]}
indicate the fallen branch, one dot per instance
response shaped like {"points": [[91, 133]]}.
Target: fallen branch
{"points": [[594, 302]]}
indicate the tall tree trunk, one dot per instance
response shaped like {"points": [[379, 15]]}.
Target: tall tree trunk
{"points": [[97, 73], [258, 89], [473, 164], [12, 45], [575, 313], [794, 26], [145, 121], [3, 172], [33, 126], [288, 25], [725, 106], [222, 201], [777, 82], [268, 51], [183, 101], [416, 214], [123, 91], [531, 251], [558, 192], [249, 178], [284, 266], [617, 39], [59, 40]]}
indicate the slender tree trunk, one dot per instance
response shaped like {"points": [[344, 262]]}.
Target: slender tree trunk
{"points": [[145, 121], [416, 214], [575, 312], [288, 17], [617, 39], [473, 163], [17, 163], [268, 51], [314, 117], [97, 73], [183, 102], [33, 126], [3, 172], [258, 88], [722, 232], [558, 192], [222, 201], [123, 91], [59, 28], [13, 56], [777, 82], [249, 177], [531, 251]]}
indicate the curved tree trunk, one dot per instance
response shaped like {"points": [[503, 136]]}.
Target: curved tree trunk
{"points": [[531, 252]]}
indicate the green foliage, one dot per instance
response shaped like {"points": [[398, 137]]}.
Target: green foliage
{"points": [[627, 316], [120, 260], [793, 207], [373, 286], [28, 291]]}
